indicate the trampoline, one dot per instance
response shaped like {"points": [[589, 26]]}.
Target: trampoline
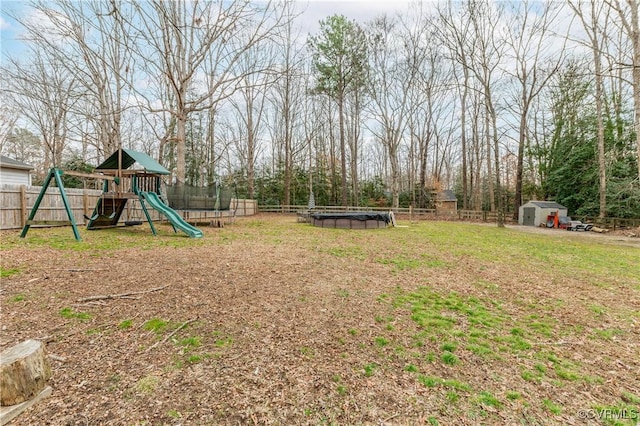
{"points": [[353, 220]]}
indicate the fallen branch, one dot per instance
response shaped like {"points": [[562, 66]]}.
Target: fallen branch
{"points": [[94, 303], [57, 358], [79, 270], [121, 296], [184, 324]]}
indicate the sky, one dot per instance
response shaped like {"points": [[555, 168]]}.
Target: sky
{"points": [[313, 12]]}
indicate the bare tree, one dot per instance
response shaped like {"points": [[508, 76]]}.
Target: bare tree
{"points": [[8, 117], [488, 52], [392, 75], [249, 104], [194, 47], [535, 61], [287, 99], [454, 36], [44, 92], [427, 94], [90, 41], [630, 18], [592, 22]]}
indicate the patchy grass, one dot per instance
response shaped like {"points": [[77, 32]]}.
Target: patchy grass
{"points": [[6, 273], [18, 298], [156, 325], [125, 324], [70, 313], [432, 323]]}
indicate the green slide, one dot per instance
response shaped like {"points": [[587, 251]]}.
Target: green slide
{"points": [[173, 216]]}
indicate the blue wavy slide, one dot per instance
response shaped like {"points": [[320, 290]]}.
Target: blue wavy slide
{"points": [[156, 203]]}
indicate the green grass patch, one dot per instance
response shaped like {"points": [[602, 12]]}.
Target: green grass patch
{"points": [[449, 358], [481, 349], [6, 273], [223, 342], [411, 368], [70, 313], [513, 396], [452, 396], [401, 263], [147, 384], [370, 369], [347, 252], [189, 343], [174, 414], [307, 351], [607, 333], [381, 341], [630, 398], [487, 399], [551, 406], [126, 324], [341, 389], [156, 325], [18, 298], [195, 358], [449, 347]]}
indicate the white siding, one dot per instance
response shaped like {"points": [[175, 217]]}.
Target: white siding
{"points": [[541, 213], [14, 177]]}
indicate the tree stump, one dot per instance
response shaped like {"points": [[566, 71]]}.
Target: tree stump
{"points": [[24, 371]]}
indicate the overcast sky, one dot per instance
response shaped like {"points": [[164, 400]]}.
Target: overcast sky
{"points": [[361, 11], [312, 12]]}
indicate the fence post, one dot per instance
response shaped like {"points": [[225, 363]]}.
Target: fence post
{"points": [[23, 206], [85, 202]]}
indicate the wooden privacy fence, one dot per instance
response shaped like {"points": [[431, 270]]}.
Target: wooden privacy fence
{"points": [[612, 223], [16, 202]]}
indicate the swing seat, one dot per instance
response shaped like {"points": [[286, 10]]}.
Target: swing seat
{"points": [[97, 215], [132, 222], [92, 218]]}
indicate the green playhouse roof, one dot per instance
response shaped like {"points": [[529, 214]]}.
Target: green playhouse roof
{"points": [[130, 157]]}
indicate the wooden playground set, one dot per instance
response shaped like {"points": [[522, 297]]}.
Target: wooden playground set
{"points": [[121, 184]]}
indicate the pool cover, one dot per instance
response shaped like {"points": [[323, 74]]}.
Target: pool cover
{"points": [[383, 217]]}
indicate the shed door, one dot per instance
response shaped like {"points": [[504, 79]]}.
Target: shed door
{"points": [[529, 216]]}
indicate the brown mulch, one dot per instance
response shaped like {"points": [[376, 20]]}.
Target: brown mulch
{"points": [[283, 333]]}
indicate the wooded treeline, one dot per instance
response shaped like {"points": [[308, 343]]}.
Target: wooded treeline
{"points": [[502, 102]]}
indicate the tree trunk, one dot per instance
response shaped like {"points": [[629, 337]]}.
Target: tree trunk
{"points": [[250, 152], [487, 124], [395, 176], [632, 28], [181, 170], [463, 140], [343, 159], [24, 371], [635, 41], [602, 178], [520, 162]]}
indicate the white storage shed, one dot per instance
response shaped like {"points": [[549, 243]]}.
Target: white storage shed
{"points": [[534, 213], [13, 172]]}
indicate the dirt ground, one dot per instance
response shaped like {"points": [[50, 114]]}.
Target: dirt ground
{"points": [[255, 327], [619, 237]]}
